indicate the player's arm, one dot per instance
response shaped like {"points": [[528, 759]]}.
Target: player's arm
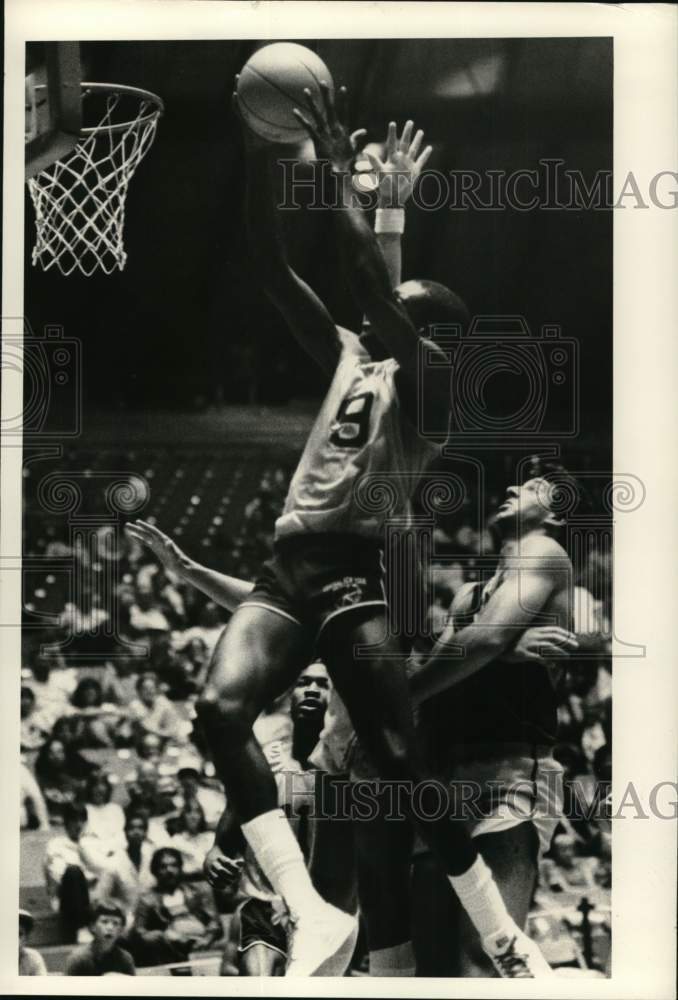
{"points": [[395, 178], [363, 262], [227, 591], [222, 867], [543, 570], [305, 314]]}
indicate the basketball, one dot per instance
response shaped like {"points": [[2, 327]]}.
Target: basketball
{"points": [[272, 84]]}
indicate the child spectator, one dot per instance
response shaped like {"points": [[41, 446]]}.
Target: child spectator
{"points": [[103, 955]]}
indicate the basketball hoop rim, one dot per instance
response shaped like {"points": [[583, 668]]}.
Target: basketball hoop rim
{"points": [[118, 88]]}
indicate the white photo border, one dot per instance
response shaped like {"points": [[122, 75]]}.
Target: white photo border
{"points": [[645, 693]]}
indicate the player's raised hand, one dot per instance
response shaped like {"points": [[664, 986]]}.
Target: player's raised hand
{"points": [[326, 126], [161, 545], [396, 175]]}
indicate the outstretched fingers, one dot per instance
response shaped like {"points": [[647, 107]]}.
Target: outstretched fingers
{"points": [[316, 111], [406, 136], [415, 144], [391, 140], [423, 159], [303, 120], [377, 165], [338, 112]]}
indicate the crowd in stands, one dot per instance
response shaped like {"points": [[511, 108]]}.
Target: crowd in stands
{"points": [[117, 781]]}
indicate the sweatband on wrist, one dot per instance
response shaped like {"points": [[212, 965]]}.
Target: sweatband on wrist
{"points": [[390, 220]]}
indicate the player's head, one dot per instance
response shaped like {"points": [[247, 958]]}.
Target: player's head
{"points": [[547, 493], [427, 303], [311, 693]]}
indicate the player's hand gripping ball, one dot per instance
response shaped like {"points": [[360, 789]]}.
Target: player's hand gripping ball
{"points": [[272, 83]]}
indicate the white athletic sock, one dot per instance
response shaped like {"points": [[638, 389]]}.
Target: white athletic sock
{"points": [[480, 897], [276, 849], [395, 961]]}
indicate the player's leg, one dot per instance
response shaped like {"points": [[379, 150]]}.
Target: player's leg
{"points": [[438, 918], [332, 860], [230, 956], [376, 693], [262, 945], [262, 961], [257, 658], [511, 856], [260, 655], [384, 848], [436, 913]]}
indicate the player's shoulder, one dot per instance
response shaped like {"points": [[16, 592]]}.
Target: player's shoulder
{"points": [[544, 549]]}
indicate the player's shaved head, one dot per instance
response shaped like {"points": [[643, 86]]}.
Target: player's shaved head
{"points": [[429, 302]]}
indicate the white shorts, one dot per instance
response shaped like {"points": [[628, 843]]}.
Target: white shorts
{"points": [[498, 792]]}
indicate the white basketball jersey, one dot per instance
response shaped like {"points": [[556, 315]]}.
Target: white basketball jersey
{"points": [[363, 456]]}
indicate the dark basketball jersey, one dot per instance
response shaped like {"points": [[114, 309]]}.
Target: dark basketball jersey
{"points": [[501, 703]]}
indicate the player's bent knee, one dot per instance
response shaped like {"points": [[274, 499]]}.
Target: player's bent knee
{"points": [[223, 717]]}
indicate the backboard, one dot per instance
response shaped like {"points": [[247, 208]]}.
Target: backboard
{"points": [[53, 102]]}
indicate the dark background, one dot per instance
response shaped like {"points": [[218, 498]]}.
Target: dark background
{"points": [[185, 325]]}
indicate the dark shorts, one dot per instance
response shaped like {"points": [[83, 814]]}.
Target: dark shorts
{"points": [[257, 927], [313, 578]]}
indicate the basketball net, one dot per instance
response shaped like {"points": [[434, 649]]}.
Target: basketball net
{"points": [[79, 200]]}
